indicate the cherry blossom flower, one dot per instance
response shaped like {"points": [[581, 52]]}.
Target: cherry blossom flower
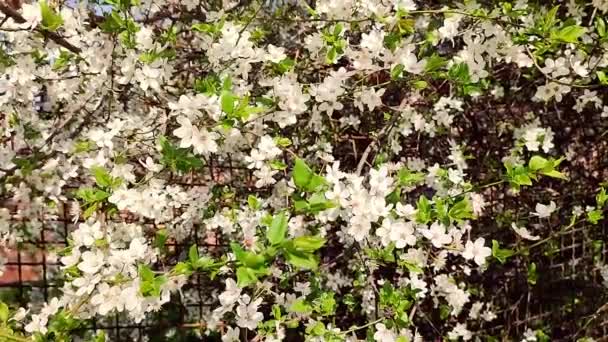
{"points": [[437, 235], [476, 251], [383, 334], [524, 233], [91, 261], [231, 294], [247, 313], [402, 233], [544, 210]]}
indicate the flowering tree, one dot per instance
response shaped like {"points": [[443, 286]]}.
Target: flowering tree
{"points": [[330, 164]]}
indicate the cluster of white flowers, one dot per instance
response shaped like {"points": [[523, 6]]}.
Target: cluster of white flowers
{"points": [[158, 201], [534, 137], [106, 258], [265, 151]]}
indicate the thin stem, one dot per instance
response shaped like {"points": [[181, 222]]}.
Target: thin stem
{"points": [[492, 184], [353, 329], [478, 188], [550, 237], [255, 14], [381, 135]]}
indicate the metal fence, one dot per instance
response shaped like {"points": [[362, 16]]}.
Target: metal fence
{"points": [[568, 295]]}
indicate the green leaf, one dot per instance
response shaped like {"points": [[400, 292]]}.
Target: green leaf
{"points": [[246, 276], [90, 195], [301, 259], [396, 72], [210, 29], [444, 311], [461, 210], [227, 101], [209, 84], [423, 210], [317, 203], [304, 178], [302, 174], [150, 285], [102, 176], [227, 84], [278, 229], [325, 304], [569, 34], [203, 263], [434, 63], [300, 306], [266, 220], [602, 77], [338, 30], [301, 206], [276, 311], [420, 84], [385, 254], [532, 274], [550, 18], [178, 159], [316, 183], [460, 73], [51, 20], [391, 40], [500, 254], [441, 209], [537, 163], [113, 23], [90, 210], [183, 268], [246, 258], [413, 268], [554, 174], [282, 141], [160, 238], [317, 329], [544, 167], [62, 61], [308, 243], [595, 216], [601, 198], [332, 55], [284, 66], [278, 165], [408, 178], [518, 175], [4, 312], [100, 337], [600, 26], [253, 202], [406, 26], [145, 273], [193, 254]]}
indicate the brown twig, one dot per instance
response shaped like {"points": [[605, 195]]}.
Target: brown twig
{"points": [[372, 146]]}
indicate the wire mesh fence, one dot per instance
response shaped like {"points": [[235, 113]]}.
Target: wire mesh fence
{"points": [[32, 267], [569, 290]]}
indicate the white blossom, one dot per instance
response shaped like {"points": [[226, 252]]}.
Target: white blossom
{"points": [[477, 251]]}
